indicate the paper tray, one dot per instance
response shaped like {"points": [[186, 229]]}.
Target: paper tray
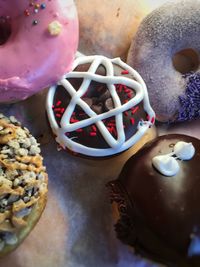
{"points": [[76, 228]]}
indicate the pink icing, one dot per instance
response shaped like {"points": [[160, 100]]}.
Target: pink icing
{"points": [[32, 59]]}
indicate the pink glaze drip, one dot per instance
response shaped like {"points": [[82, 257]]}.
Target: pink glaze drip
{"points": [[32, 59]]}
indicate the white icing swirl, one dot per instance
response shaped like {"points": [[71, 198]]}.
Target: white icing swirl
{"points": [[167, 164], [184, 151]]}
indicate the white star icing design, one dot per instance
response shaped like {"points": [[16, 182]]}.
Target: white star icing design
{"points": [[115, 145]]}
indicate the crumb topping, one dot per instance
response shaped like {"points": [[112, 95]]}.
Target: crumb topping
{"points": [[23, 178]]}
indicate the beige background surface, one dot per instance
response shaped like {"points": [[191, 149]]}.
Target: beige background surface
{"points": [[107, 27]]}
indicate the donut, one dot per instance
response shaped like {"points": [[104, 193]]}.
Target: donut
{"points": [[23, 183], [99, 109], [38, 41], [157, 199], [165, 51], [112, 24]]}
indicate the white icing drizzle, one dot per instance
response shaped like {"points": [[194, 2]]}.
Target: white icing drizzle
{"points": [[184, 151], [167, 164], [116, 145]]}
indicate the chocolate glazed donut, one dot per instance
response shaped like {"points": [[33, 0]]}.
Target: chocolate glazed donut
{"points": [[159, 215], [99, 109], [168, 34]]}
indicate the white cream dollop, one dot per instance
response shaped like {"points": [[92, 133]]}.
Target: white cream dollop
{"points": [[166, 165], [184, 151]]}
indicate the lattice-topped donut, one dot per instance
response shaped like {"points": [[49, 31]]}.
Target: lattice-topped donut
{"points": [[99, 109]]}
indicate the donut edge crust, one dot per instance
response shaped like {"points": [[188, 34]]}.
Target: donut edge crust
{"points": [[33, 218]]}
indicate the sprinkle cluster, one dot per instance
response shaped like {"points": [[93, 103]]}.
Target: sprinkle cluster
{"points": [[190, 101], [100, 105], [33, 8], [80, 92]]}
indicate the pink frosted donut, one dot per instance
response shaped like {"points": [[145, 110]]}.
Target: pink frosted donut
{"points": [[38, 41]]}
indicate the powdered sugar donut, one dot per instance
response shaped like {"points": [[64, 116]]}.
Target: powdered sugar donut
{"points": [[168, 34], [38, 41], [101, 108]]}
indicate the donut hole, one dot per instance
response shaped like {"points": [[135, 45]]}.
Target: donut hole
{"points": [[5, 29], [186, 60]]}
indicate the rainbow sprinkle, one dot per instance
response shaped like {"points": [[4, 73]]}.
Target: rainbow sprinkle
{"points": [[33, 8]]}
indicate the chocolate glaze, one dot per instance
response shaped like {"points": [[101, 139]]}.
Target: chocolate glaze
{"points": [[160, 215], [99, 99]]}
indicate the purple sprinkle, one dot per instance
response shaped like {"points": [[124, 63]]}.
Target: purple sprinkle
{"points": [[190, 101]]}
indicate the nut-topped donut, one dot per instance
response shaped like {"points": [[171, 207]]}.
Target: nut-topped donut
{"points": [[38, 40], [166, 36], [101, 108], [23, 183]]}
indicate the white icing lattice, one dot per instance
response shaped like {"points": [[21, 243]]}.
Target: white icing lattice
{"points": [[115, 145]]}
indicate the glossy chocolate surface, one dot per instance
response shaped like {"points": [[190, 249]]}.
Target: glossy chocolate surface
{"points": [[100, 101], [160, 216]]}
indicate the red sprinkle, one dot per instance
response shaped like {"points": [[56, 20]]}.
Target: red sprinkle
{"points": [[132, 121], [133, 110], [125, 72], [62, 110], [94, 128], [93, 134], [153, 120], [26, 13], [58, 115], [72, 120], [79, 130], [111, 124], [126, 113], [57, 109], [119, 88], [112, 130], [58, 103]]}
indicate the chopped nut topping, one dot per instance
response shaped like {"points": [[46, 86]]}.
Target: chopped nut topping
{"points": [[23, 179]]}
